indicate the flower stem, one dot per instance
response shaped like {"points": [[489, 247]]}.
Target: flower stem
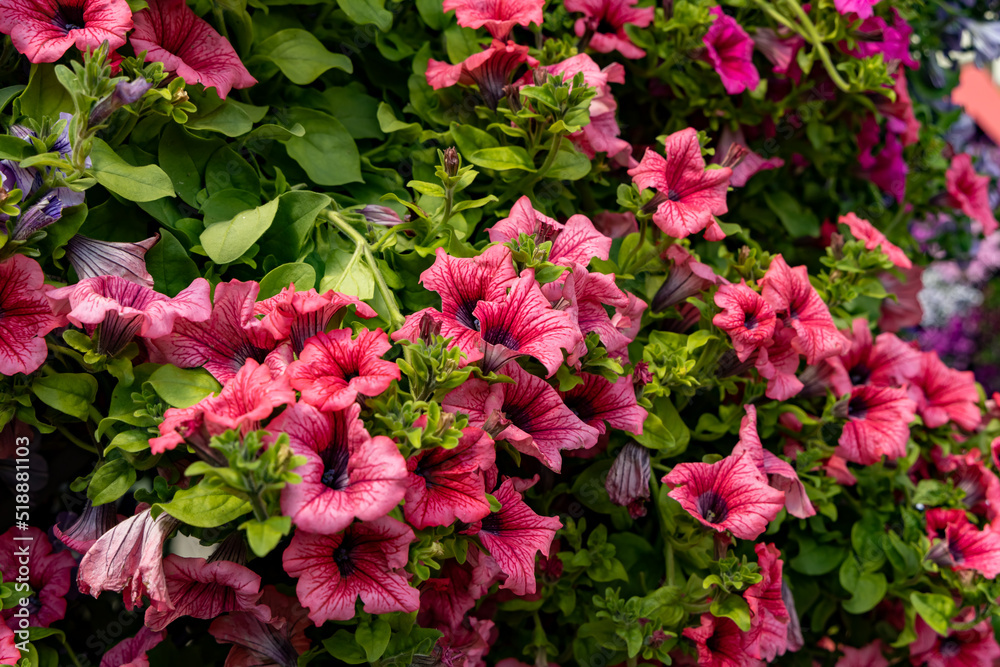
{"points": [[817, 42], [524, 185], [69, 651]]}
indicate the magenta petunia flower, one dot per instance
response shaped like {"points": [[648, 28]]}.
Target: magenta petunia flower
{"points": [[960, 545], [732, 147], [48, 574], [720, 643], [796, 301], [347, 474], [605, 20], [899, 116], [730, 494], [781, 50], [43, 30], [576, 241], [601, 403], [746, 317], [497, 16], [863, 8], [298, 316], [877, 425], [889, 362], [959, 648], [969, 192], [129, 559], [27, 316], [875, 35], [92, 523], [873, 239], [131, 652], [334, 368], [171, 33], [729, 49], [945, 395], [207, 589], [540, 424], [688, 195], [586, 297], [769, 617], [513, 535], [467, 644], [250, 397], [446, 485], [91, 258], [256, 643], [490, 70], [9, 654], [365, 561]]}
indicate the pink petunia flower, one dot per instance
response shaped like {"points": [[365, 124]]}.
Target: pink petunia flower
{"points": [[873, 239], [467, 644], [497, 16], [863, 8], [490, 70], [720, 643], [781, 50], [575, 241], [875, 35], [605, 20], [688, 195], [734, 144], [960, 545], [616, 225], [540, 425], [586, 296], [601, 403], [778, 362], [746, 317], [171, 33], [870, 655], [513, 535], [256, 643], [43, 30], [888, 362], [27, 316], [91, 258], [730, 494], [445, 600], [347, 475], [131, 652], [943, 394], [365, 561], [969, 192], [92, 523], [905, 310], [298, 316], [969, 473], [446, 485], [48, 574], [9, 653], [959, 648], [686, 278], [877, 425], [899, 115], [729, 49], [768, 615]]}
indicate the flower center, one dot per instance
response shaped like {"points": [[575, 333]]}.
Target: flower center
{"points": [[950, 648], [673, 195], [464, 314], [857, 408], [750, 321], [69, 17], [335, 474], [579, 406], [518, 416], [34, 605], [116, 332], [342, 557], [491, 524], [712, 507], [500, 336], [860, 374]]}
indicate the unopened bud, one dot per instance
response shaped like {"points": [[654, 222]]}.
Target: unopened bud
{"points": [[513, 98], [837, 245], [429, 329], [539, 76], [381, 215], [496, 423], [628, 479], [451, 161], [641, 375], [125, 93], [734, 155]]}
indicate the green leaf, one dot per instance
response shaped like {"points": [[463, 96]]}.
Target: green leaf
{"points": [[817, 559], [327, 152], [140, 184], [183, 387], [227, 204], [294, 220], [227, 169], [343, 647], [935, 609], [364, 12], [302, 275], [111, 481], [70, 393], [300, 56], [206, 506], [570, 164], [170, 265], [13, 148], [797, 220], [226, 241], [227, 117], [348, 274], [9, 93], [502, 158], [264, 536], [44, 96], [373, 638], [867, 588], [733, 607]]}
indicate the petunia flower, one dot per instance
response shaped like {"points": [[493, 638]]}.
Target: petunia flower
{"points": [[540, 424], [687, 277], [899, 115], [969, 473], [490, 70], [943, 394], [888, 362], [746, 317], [586, 296], [91, 258], [467, 644], [365, 561], [171, 33], [334, 368], [92, 523], [875, 35], [601, 403], [43, 30], [575, 241], [729, 49], [256, 643], [730, 494], [905, 310], [777, 363], [688, 195], [873, 239], [750, 163], [863, 8], [959, 648], [446, 485], [38, 216], [870, 655], [48, 574], [720, 643], [960, 545], [131, 652], [604, 22], [616, 225], [513, 535], [497, 16], [9, 653], [769, 617], [627, 482], [27, 316], [347, 473], [969, 192], [445, 600], [781, 50], [298, 316], [877, 425]]}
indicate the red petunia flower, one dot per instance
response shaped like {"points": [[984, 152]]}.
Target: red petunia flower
{"points": [[720, 643], [746, 317], [863, 8], [27, 316], [497, 16], [729, 49], [888, 362], [256, 643], [48, 574], [769, 617], [873, 239], [575, 241], [365, 561], [877, 425], [605, 20], [960, 545], [298, 316], [131, 652], [490, 70], [969, 192], [601, 403], [445, 600], [961, 648], [540, 425], [730, 494], [943, 394], [43, 30], [171, 33], [92, 523], [688, 195], [347, 474]]}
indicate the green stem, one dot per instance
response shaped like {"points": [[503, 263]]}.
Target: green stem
{"points": [[670, 563], [69, 651], [524, 185], [775, 14], [449, 201], [259, 510], [75, 440], [817, 43]]}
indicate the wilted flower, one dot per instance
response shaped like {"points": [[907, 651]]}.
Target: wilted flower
{"points": [[627, 482]]}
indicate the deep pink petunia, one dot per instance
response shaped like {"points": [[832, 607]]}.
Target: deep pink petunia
{"points": [[888, 362], [207, 589], [877, 425], [91, 258], [749, 163], [729, 49], [586, 297], [687, 277], [333, 368], [777, 363], [969, 473], [467, 644], [969, 192], [9, 655], [960, 545], [131, 652], [887, 169], [905, 310], [298, 316], [873, 239], [688, 195], [497, 16], [171, 33], [781, 49], [513, 535], [779, 473], [92, 523], [870, 655], [48, 573], [796, 301], [540, 424], [250, 397], [875, 35], [746, 317], [730, 494], [944, 394], [616, 225], [601, 403], [863, 8], [899, 115], [769, 617], [365, 561], [256, 643], [605, 20], [959, 648], [27, 316], [575, 241], [347, 474], [446, 485], [720, 643], [445, 600], [490, 70], [43, 30], [129, 559]]}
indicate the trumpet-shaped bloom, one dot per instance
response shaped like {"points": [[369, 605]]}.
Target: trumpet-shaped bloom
{"points": [[334, 368], [131, 652], [863, 8], [48, 574], [970, 192], [687, 277], [730, 494], [256, 643], [873, 239], [171, 33], [961, 648], [298, 316], [43, 30], [365, 561], [497, 16], [92, 523], [601, 403], [720, 643], [888, 362], [27, 316], [490, 70], [943, 394], [585, 296], [347, 473], [746, 317], [605, 21], [768, 615], [778, 362], [734, 143], [730, 50], [962, 546], [576, 241], [969, 473], [877, 425], [91, 258]]}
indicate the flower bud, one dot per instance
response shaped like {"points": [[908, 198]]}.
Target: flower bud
{"points": [[429, 329], [451, 161], [628, 479], [381, 215], [125, 93], [496, 423], [513, 98]]}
